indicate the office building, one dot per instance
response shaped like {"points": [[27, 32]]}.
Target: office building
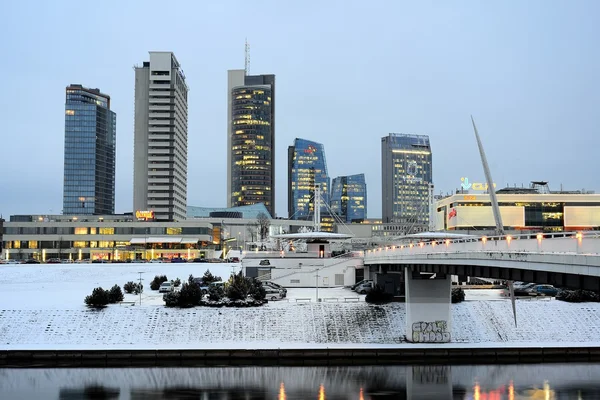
{"points": [[307, 167], [250, 140], [349, 198], [160, 138], [90, 149], [406, 181]]}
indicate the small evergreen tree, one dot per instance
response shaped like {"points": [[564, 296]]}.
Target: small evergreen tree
{"points": [[216, 293], [257, 291], [98, 298], [155, 284], [239, 287], [209, 278], [172, 299], [129, 287], [177, 282], [458, 295], [115, 294], [190, 278], [189, 295]]}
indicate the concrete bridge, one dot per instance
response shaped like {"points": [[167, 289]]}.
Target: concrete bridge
{"points": [[566, 259]]}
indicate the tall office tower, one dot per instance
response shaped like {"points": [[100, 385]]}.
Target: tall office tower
{"points": [[349, 197], [307, 167], [250, 139], [90, 149], [406, 179], [160, 139]]}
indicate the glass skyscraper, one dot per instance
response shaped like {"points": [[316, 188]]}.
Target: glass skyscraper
{"points": [[349, 197], [251, 140], [306, 168], [90, 149], [406, 180]]}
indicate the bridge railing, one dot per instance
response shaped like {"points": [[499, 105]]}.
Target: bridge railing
{"points": [[560, 242]]}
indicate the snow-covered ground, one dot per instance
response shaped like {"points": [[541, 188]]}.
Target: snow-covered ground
{"points": [[41, 307]]}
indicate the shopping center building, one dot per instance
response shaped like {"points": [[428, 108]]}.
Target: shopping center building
{"points": [[136, 237], [522, 209]]}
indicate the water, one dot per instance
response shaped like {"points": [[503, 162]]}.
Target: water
{"points": [[492, 382]]}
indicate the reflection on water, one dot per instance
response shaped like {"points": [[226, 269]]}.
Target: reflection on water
{"points": [[493, 382]]}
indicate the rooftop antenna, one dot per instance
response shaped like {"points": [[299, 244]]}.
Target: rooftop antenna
{"points": [[246, 58]]}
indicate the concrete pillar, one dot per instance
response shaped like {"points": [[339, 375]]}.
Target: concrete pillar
{"points": [[428, 382], [428, 318]]}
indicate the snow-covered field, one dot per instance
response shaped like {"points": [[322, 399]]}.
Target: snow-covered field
{"points": [[41, 307]]}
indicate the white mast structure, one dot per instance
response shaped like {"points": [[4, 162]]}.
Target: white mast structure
{"points": [[317, 206]]}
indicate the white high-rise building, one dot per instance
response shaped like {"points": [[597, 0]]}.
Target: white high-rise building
{"points": [[160, 140]]}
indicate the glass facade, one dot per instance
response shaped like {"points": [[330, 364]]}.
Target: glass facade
{"points": [[252, 146], [90, 149], [349, 197], [406, 180], [307, 167]]}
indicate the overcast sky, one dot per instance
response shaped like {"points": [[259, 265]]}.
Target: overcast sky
{"points": [[347, 74]]}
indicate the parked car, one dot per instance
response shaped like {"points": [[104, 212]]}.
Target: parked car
{"points": [[543, 290], [199, 260], [357, 284], [273, 285], [166, 287], [32, 261], [156, 260], [364, 288], [53, 261], [273, 294], [177, 260], [522, 289]]}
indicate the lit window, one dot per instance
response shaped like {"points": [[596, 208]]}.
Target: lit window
{"points": [[70, 112]]}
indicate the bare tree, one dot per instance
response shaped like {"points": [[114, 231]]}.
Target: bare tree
{"points": [[263, 222], [251, 229]]}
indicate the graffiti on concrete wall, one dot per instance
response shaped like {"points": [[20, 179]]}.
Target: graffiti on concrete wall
{"points": [[430, 332]]}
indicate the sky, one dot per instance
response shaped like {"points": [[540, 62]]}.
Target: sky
{"points": [[347, 74]]}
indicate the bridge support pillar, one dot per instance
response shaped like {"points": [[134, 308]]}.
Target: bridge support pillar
{"points": [[428, 301], [426, 382]]}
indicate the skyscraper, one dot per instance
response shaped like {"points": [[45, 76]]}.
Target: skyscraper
{"points": [[349, 197], [160, 138], [406, 180], [250, 139], [307, 167], [90, 148]]}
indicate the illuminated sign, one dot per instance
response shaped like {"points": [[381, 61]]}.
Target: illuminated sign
{"points": [[311, 149], [452, 213], [469, 198], [466, 185], [147, 215]]}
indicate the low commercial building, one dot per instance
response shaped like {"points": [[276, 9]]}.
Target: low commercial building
{"points": [[522, 209]]}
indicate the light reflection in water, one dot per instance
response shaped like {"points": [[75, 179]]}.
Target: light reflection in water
{"points": [[321, 392], [545, 393], [511, 390], [281, 391], [361, 395]]}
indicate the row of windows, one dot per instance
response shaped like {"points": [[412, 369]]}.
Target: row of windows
{"points": [[106, 231]]}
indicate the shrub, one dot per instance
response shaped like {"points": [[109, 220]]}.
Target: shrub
{"points": [[155, 284], [257, 291], [378, 296], [209, 278], [457, 295], [189, 295], [115, 294], [171, 299], [239, 287], [129, 287], [216, 293], [177, 282], [98, 298], [578, 296], [190, 278]]}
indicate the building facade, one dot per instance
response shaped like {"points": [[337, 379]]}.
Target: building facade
{"points": [[160, 138], [307, 167], [349, 198], [90, 153], [250, 140], [521, 212], [407, 184]]}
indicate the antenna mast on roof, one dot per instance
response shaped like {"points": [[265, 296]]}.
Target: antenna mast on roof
{"points": [[246, 58]]}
